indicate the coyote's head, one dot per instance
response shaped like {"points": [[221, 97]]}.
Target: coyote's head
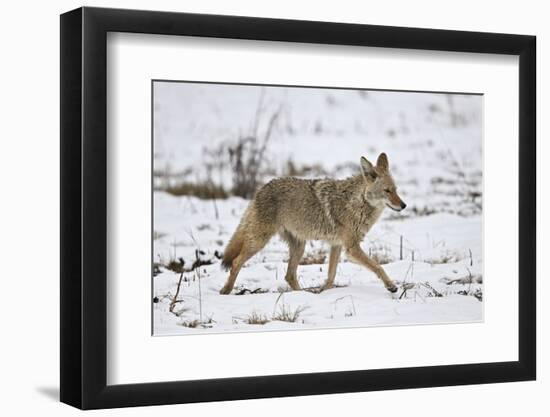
{"points": [[381, 188]]}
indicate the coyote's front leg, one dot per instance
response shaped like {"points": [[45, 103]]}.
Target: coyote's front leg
{"points": [[357, 255]]}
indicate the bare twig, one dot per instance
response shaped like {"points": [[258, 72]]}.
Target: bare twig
{"points": [[432, 289], [175, 298], [216, 208], [198, 273], [276, 301], [352, 303]]}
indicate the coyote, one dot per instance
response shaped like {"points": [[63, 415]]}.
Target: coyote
{"points": [[339, 212]]}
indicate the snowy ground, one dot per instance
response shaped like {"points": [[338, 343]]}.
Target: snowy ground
{"points": [[441, 244], [434, 145]]}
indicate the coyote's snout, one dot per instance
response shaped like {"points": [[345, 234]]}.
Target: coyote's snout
{"points": [[339, 212]]}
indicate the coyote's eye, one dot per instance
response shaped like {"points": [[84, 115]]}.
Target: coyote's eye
{"points": [[387, 190]]}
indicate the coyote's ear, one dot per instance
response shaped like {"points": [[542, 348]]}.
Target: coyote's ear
{"points": [[367, 169], [382, 161]]}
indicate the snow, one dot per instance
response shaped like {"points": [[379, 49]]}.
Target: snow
{"points": [[435, 150], [359, 298]]}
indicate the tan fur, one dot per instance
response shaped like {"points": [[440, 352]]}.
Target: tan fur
{"points": [[234, 246], [340, 212]]}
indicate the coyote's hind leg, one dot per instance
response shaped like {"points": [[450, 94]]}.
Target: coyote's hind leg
{"points": [[296, 249], [335, 252], [249, 249], [236, 266]]}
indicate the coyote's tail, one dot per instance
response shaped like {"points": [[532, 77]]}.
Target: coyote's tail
{"points": [[233, 248], [236, 243]]}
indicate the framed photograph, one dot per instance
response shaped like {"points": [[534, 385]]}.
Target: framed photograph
{"points": [[256, 208]]}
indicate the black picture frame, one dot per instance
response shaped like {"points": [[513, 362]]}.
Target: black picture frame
{"points": [[84, 207]]}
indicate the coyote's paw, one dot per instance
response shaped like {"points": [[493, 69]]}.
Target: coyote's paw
{"points": [[391, 288], [293, 284], [226, 290]]}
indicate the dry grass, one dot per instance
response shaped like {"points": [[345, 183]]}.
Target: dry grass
{"points": [[255, 318], [382, 258], [175, 266], [192, 324], [470, 279], [205, 190], [286, 313], [294, 170], [381, 254], [445, 258], [156, 269], [319, 257], [158, 235], [245, 291]]}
